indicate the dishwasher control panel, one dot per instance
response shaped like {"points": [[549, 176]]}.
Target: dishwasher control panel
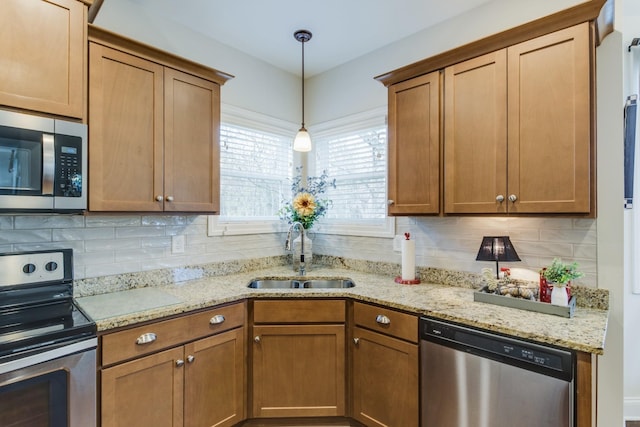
{"points": [[506, 349]]}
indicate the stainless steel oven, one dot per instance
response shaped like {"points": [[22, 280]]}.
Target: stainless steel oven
{"points": [[47, 344], [43, 164]]}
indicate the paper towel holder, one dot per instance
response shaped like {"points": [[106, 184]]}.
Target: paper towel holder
{"points": [[497, 248]]}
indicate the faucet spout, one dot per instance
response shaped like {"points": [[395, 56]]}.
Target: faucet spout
{"points": [[287, 245]]}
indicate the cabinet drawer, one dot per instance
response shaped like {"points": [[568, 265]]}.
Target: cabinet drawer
{"points": [[299, 311], [156, 336], [389, 322]]}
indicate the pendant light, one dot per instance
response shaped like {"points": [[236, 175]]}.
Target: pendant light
{"points": [[302, 141]]}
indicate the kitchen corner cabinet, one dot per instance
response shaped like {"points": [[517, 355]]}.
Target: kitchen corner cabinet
{"points": [[518, 128], [298, 355], [153, 129], [385, 370], [43, 61], [414, 146], [154, 376]]}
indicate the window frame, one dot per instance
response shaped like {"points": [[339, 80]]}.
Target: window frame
{"points": [[383, 227]]}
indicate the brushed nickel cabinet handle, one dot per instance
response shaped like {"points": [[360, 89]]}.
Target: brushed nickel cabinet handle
{"points": [[390, 202], [499, 198], [190, 358], [356, 341], [513, 198], [169, 199], [257, 339], [147, 338], [159, 198], [179, 363], [217, 319], [383, 320]]}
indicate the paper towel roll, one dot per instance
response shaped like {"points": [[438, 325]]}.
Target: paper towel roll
{"points": [[408, 259]]}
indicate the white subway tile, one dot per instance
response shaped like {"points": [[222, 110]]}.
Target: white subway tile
{"points": [[48, 221], [112, 221]]}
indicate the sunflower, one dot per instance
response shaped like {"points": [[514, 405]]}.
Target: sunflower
{"points": [[304, 204]]}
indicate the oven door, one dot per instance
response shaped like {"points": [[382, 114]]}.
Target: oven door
{"points": [[26, 161], [55, 388]]}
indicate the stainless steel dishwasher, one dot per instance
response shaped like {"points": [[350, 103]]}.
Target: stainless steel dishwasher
{"points": [[472, 378]]}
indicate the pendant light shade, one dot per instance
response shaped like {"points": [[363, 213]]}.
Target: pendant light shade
{"points": [[302, 141]]}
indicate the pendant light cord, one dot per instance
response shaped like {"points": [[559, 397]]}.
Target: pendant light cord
{"points": [[303, 41]]}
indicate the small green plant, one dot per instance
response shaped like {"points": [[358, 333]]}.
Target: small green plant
{"points": [[559, 272]]}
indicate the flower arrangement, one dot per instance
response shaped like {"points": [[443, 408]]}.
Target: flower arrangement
{"points": [[307, 204], [559, 272]]}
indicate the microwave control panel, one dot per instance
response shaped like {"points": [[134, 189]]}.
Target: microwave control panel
{"points": [[68, 179]]}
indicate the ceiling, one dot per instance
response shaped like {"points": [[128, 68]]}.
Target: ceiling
{"points": [[342, 29]]}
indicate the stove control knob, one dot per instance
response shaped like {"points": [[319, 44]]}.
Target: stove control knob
{"points": [[29, 268], [51, 266]]}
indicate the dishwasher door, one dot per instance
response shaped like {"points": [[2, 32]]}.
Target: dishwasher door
{"points": [[471, 378]]}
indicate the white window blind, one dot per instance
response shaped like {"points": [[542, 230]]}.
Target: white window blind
{"points": [[255, 167], [357, 160]]}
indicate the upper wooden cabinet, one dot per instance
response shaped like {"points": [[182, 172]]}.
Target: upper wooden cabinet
{"points": [[153, 129], [517, 128], [414, 146], [43, 61]]}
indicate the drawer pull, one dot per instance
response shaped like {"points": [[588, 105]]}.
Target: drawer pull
{"points": [[190, 358], [179, 363], [257, 339], [383, 320], [217, 319], [356, 341], [146, 338]]}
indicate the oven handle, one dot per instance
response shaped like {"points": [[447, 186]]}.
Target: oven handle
{"points": [[48, 163], [25, 362]]}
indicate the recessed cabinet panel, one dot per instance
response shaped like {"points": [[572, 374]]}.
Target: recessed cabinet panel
{"points": [[125, 131], [475, 147], [146, 392], [549, 122], [192, 149], [42, 66], [414, 146]]}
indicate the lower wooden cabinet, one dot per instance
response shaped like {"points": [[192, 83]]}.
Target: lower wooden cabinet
{"points": [[298, 369], [195, 383], [384, 367]]}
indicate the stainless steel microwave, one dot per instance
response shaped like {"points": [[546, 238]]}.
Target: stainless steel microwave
{"points": [[43, 164]]}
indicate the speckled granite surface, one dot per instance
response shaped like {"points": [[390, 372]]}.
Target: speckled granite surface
{"points": [[123, 303]]}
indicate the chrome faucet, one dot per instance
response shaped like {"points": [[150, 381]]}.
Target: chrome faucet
{"points": [[287, 244]]}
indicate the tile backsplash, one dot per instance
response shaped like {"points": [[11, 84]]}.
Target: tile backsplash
{"points": [[115, 244]]}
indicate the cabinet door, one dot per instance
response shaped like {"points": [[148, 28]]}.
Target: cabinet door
{"points": [[192, 149], [43, 45], [385, 380], [550, 123], [214, 380], [298, 371], [146, 392], [125, 132], [414, 146], [475, 135]]}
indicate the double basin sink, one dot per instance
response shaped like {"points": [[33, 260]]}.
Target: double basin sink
{"points": [[301, 284]]}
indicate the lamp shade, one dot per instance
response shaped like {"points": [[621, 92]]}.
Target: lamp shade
{"points": [[302, 141], [497, 248]]}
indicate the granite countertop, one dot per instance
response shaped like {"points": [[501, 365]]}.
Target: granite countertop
{"points": [[585, 331]]}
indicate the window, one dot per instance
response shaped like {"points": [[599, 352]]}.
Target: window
{"points": [[256, 164], [353, 151]]}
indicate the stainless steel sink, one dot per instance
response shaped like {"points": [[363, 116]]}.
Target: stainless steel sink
{"points": [[301, 284]]}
